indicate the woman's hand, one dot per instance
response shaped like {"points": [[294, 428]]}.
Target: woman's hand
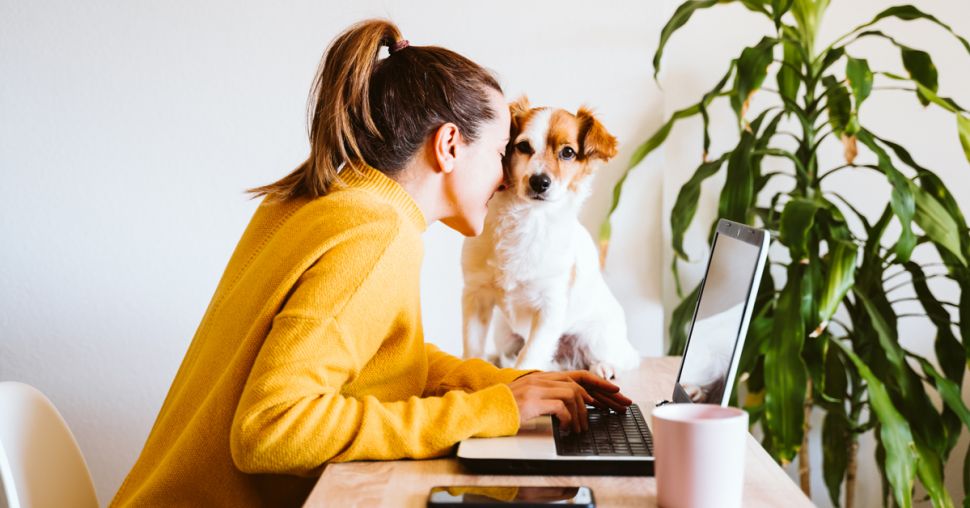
{"points": [[565, 395]]}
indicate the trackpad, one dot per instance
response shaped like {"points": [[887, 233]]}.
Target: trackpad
{"points": [[536, 426]]}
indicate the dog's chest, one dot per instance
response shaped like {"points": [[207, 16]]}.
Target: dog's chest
{"points": [[528, 252]]}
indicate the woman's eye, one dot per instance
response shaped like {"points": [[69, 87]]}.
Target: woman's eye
{"points": [[567, 153], [524, 147]]}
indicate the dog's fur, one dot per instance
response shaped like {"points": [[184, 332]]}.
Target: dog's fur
{"points": [[536, 262]]}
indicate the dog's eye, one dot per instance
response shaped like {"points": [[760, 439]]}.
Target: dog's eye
{"points": [[524, 147], [567, 153]]}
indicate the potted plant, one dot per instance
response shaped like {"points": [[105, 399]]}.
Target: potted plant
{"points": [[826, 336]]}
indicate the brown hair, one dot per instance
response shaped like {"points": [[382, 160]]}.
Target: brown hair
{"points": [[380, 111]]}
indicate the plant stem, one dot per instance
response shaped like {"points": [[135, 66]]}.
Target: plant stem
{"points": [[804, 461], [850, 472]]}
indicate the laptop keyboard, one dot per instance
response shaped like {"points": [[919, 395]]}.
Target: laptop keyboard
{"points": [[610, 433]]}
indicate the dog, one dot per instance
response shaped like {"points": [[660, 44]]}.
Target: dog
{"points": [[535, 261]]}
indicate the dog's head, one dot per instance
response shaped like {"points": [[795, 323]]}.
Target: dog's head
{"points": [[552, 152]]}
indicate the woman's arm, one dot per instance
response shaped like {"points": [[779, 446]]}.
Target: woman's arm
{"points": [[292, 419], [446, 372]]}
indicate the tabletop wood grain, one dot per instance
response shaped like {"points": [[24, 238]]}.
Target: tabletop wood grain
{"points": [[407, 482]]}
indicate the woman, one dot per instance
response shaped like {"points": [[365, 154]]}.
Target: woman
{"points": [[311, 350]]}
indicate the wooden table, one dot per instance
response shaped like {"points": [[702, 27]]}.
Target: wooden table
{"points": [[406, 482]]}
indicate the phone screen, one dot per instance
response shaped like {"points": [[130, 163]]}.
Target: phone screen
{"points": [[478, 495]]}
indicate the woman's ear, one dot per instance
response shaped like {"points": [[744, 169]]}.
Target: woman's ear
{"points": [[595, 142], [445, 146]]}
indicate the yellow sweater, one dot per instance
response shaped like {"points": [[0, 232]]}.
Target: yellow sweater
{"points": [[311, 351]]}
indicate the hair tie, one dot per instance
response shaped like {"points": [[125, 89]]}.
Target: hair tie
{"points": [[398, 46]]}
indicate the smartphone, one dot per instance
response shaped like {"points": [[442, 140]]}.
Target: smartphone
{"points": [[510, 495]]}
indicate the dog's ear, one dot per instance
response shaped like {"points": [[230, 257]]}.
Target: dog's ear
{"points": [[595, 142], [518, 109]]}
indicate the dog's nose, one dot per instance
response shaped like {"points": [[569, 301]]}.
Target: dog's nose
{"points": [[540, 182]]}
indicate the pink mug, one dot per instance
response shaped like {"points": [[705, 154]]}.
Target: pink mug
{"points": [[699, 455]]}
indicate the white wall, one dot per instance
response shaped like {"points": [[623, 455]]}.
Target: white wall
{"points": [[128, 131]]}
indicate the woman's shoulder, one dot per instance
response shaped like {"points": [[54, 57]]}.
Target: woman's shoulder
{"points": [[348, 214]]}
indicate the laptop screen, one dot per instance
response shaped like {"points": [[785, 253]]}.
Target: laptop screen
{"points": [[720, 316]]}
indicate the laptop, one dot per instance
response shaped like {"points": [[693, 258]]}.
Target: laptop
{"points": [[621, 443]]}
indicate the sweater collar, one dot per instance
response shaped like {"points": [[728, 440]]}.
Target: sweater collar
{"points": [[373, 180]]}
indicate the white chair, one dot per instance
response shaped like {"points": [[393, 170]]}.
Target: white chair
{"points": [[40, 463]]}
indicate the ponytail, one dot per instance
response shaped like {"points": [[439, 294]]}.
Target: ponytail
{"points": [[378, 112]]}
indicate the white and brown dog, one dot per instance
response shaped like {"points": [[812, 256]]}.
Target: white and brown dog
{"points": [[536, 262]]}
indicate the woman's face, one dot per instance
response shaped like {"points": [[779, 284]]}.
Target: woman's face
{"points": [[478, 171]]}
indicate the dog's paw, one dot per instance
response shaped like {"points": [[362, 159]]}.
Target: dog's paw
{"points": [[505, 361], [604, 370]]}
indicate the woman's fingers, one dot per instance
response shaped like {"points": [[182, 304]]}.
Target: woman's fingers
{"points": [[568, 397], [594, 383], [590, 380], [558, 408], [604, 401], [573, 397], [565, 395], [582, 416]]}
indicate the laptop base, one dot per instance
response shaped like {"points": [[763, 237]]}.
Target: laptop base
{"points": [[558, 467]]}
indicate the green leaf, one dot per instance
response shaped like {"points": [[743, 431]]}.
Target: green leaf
{"points": [[835, 385], [835, 452], [937, 223], [759, 336], [963, 130], [797, 219], [743, 170], [949, 351], [841, 277], [964, 281], [685, 207], [756, 6], [931, 183], [944, 102], [902, 200], [778, 9], [921, 69], [679, 18], [825, 60], [860, 79], [909, 13], [839, 106], [737, 195], [887, 337], [786, 374], [706, 99], [923, 417], [789, 78], [679, 320], [752, 70], [894, 434], [929, 469], [949, 391]]}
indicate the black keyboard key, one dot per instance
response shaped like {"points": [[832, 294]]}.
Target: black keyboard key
{"points": [[610, 433]]}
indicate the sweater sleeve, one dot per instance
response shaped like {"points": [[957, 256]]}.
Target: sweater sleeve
{"points": [[446, 373], [292, 418]]}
